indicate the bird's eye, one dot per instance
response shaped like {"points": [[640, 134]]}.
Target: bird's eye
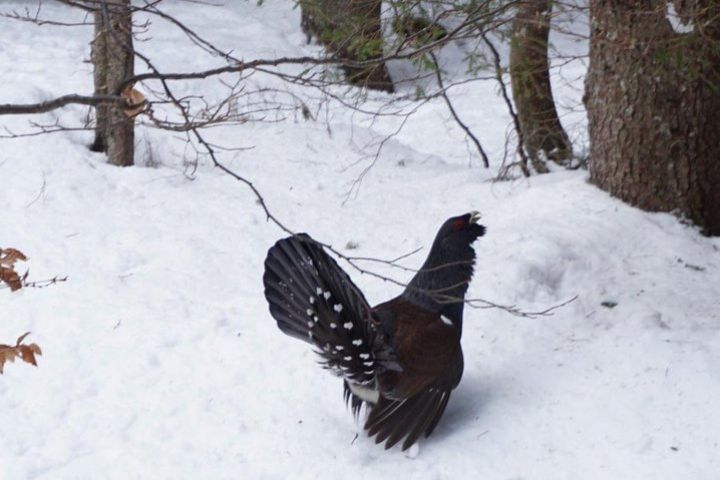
{"points": [[458, 224]]}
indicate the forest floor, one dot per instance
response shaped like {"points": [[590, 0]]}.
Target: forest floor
{"points": [[160, 359]]}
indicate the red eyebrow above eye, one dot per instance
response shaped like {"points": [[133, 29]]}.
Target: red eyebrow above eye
{"points": [[460, 223]]}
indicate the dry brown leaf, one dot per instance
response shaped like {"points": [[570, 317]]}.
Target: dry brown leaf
{"points": [[28, 352], [25, 352], [10, 276], [8, 256], [136, 99]]}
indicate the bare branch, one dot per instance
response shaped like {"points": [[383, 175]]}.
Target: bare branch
{"points": [[513, 310], [59, 102], [506, 96], [466, 129]]}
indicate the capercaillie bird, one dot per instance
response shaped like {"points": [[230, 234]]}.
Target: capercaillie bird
{"points": [[402, 357]]}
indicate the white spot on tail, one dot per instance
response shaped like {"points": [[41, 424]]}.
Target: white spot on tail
{"points": [[311, 324], [326, 294], [333, 325], [368, 364], [348, 325], [364, 356], [318, 290], [338, 308], [309, 312], [446, 320], [339, 348], [357, 342], [347, 358], [311, 299]]}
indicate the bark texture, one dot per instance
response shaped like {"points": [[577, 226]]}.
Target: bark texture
{"points": [[653, 102], [113, 62], [349, 29], [543, 134], [99, 61]]}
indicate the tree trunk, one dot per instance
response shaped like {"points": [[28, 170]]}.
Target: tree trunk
{"points": [[543, 134], [350, 29], [99, 61], [113, 62], [653, 105]]}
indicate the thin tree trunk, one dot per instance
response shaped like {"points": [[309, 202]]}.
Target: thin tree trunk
{"points": [[98, 56], [543, 133], [653, 105], [113, 60], [350, 29]]}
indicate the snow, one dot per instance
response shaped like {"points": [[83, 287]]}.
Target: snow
{"points": [[679, 25], [160, 359]]}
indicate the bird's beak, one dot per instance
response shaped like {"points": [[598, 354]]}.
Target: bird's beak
{"points": [[474, 217]]}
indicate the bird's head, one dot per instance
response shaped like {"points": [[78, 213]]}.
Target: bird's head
{"points": [[458, 232]]}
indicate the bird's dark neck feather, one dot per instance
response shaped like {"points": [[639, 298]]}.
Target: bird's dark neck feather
{"points": [[440, 285]]}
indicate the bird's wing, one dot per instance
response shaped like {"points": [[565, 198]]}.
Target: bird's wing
{"points": [[409, 418], [426, 345], [428, 348], [313, 299]]}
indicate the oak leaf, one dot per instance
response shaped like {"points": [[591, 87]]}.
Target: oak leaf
{"points": [[8, 258], [22, 351], [136, 100], [10, 276]]}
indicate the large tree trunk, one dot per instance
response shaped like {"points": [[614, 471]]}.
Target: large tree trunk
{"points": [[350, 29], [113, 61], [653, 104], [543, 134]]}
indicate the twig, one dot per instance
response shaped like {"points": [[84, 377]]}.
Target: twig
{"points": [[59, 102], [508, 102], [37, 283], [513, 310], [444, 95], [45, 283]]}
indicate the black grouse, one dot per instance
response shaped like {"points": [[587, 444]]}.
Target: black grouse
{"points": [[402, 357]]}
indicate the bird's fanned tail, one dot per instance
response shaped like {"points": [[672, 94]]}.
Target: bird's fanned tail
{"points": [[314, 300]]}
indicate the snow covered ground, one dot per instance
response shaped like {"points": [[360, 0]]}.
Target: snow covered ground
{"points": [[162, 361]]}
